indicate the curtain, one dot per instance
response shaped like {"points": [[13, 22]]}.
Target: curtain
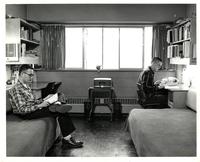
{"points": [[159, 45], [53, 47]]}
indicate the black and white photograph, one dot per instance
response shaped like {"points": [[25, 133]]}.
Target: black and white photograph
{"points": [[115, 80]]}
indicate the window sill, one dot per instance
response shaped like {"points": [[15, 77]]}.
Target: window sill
{"points": [[102, 71]]}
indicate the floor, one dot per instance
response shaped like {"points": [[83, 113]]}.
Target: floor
{"points": [[101, 138]]}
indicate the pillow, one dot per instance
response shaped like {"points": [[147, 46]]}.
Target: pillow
{"points": [[8, 105], [191, 99]]}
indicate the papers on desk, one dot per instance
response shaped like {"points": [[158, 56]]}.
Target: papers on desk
{"points": [[169, 81], [172, 87], [179, 87]]}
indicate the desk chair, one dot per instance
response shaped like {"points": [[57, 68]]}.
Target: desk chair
{"points": [[101, 97]]}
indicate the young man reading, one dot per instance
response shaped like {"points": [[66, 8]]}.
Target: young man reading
{"points": [[27, 107], [153, 92]]}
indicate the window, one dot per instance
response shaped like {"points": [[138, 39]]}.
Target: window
{"points": [[93, 47], [131, 47], [73, 48], [108, 47]]}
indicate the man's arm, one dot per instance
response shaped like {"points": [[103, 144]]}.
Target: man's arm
{"points": [[21, 106], [24, 104], [147, 82]]}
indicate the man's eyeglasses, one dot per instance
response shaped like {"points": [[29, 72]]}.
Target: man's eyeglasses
{"points": [[30, 75]]}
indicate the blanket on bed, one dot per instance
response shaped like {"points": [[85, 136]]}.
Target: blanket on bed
{"points": [[163, 132]]}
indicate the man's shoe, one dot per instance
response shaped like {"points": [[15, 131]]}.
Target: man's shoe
{"points": [[76, 141], [67, 144], [63, 108]]}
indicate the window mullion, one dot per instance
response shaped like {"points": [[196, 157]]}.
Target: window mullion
{"points": [[119, 50], [102, 64], [83, 52], [143, 48]]}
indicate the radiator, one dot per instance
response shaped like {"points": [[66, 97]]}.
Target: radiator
{"points": [[122, 100]]}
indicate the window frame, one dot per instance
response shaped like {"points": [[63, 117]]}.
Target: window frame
{"points": [[108, 26]]}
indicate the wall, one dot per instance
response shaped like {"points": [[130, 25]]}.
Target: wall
{"points": [[188, 72], [17, 10], [108, 13], [76, 84]]}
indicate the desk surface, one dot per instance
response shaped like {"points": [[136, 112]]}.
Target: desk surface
{"points": [[179, 87]]}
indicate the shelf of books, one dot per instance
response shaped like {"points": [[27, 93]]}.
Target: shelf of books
{"points": [[179, 40]]}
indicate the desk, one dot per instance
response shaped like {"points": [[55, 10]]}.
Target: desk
{"points": [[177, 95]]}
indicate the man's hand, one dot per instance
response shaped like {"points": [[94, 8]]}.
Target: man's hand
{"points": [[43, 104], [157, 82], [161, 85], [39, 101]]}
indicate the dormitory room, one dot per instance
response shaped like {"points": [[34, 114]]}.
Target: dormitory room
{"points": [[101, 80]]}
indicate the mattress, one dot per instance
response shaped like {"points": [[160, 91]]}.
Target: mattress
{"points": [[163, 132]]}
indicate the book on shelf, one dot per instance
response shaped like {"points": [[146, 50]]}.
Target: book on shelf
{"points": [[179, 33], [175, 35], [182, 50], [169, 36], [23, 49], [187, 27], [186, 49]]}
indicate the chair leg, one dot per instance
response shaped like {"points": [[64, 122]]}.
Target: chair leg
{"points": [[112, 113], [91, 112], [110, 106]]}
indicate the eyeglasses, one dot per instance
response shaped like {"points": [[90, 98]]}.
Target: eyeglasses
{"points": [[30, 75]]}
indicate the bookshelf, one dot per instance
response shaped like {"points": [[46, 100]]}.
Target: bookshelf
{"points": [[179, 40], [22, 42]]}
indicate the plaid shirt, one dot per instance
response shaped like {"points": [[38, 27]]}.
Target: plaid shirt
{"points": [[22, 99], [146, 79]]}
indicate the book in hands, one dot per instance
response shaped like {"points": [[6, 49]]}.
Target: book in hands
{"points": [[51, 98]]}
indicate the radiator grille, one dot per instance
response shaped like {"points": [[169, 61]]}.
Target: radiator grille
{"points": [[128, 101], [122, 100]]}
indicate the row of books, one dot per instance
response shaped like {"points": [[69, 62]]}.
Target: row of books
{"points": [[181, 50], [179, 33], [26, 34], [25, 52]]}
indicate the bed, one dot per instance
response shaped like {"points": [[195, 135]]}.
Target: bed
{"points": [[165, 132]]}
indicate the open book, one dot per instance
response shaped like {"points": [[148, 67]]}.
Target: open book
{"points": [[51, 98]]}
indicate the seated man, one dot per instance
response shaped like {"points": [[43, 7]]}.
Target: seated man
{"points": [[153, 92], [27, 107]]}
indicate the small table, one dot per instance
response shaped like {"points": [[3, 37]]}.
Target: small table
{"points": [[177, 95], [101, 96]]}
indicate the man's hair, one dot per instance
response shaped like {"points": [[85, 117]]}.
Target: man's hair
{"points": [[156, 59], [24, 67]]}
